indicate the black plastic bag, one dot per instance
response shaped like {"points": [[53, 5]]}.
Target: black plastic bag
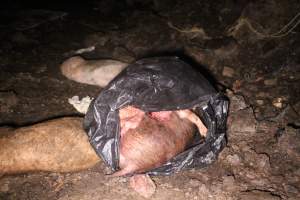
{"points": [[156, 84]]}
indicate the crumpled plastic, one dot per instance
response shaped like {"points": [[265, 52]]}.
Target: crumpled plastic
{"points": [[157, 84]]}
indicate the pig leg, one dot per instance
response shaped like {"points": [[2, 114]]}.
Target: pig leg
{"points": [[143, 185], [93, 72], [183, 114], [187, 114], [59, 145]]}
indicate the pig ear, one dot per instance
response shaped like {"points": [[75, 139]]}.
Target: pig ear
{"points": [[192, 117]]}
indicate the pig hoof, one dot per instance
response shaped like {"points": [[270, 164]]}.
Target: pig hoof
{"points": [[143, 185]]}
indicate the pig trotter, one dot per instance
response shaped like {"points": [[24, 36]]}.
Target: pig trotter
{"points": [[187, 114], [143, 185]]}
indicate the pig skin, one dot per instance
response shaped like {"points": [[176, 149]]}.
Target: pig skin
{"points": [[93, 72], [59, 145]]}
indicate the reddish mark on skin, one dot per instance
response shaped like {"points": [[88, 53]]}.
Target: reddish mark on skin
{"points": [[161, 115], [130, 118]]}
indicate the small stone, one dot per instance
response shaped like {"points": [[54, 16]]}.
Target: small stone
{"points": [[122, 180], [143, 185], [187, 194], [237, 102], [262, 94], [291, 189], [96, 39], [233, 159], [236, 86], [228, 71], [228, 179], [263, 161], [242, 124], [194, 183], [4, 187], [8, 99], [260, 102], [204, 191], [291, 77], [229, 182], [289, 143], [80, 105], [270, 82], [278, 102], [297, 172]]}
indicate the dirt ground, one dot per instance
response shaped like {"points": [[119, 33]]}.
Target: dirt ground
{"points": [[235, 43]]}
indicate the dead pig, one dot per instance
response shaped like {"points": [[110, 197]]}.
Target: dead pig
{"points": [[62, 145], [44, 135], [136, 125]]}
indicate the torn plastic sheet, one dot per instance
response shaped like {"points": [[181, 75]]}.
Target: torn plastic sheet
{"points": [[156, 84]]}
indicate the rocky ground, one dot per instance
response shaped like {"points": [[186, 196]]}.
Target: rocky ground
{"points": [[236, 45]]}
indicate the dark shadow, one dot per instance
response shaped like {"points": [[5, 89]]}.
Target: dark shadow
{"points": [[15, 125]]}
